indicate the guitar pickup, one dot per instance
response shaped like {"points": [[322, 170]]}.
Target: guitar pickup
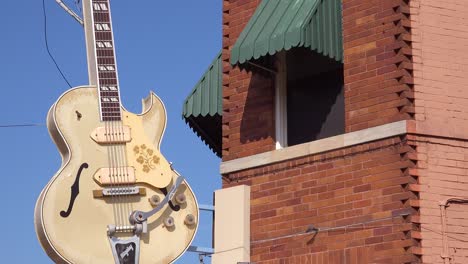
{"points": [[111, 134], [115, 176], [119, 191]]}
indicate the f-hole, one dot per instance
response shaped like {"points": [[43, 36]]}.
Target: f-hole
{"points": [[75, 190]]}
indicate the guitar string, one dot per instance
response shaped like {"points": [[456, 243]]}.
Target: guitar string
{"points": [[119, 147], [120, 170], [126, 176], [118, 160], [130, 209], [115, 199], [117, 170], [117, 167], [108, 132], [126, 207], [125, 172], [112, 172], [109, 160]]}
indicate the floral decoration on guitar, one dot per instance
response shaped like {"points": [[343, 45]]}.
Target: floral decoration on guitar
{"points": [[146, 157]]}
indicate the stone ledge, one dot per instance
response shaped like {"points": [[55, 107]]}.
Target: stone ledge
{"points": [[315, 147]]}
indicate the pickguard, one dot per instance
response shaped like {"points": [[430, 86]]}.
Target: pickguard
{"points": [[75, 190]]}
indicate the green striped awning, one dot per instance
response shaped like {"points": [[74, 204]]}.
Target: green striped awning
{"points": [[203, 107], [283, 24]]}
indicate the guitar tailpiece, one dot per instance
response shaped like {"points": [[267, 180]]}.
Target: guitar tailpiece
{"points": [[125, 251]]}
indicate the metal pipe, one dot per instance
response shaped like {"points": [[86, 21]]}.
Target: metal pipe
{"points": [[445, 254], [443, 215], [70, 12]]}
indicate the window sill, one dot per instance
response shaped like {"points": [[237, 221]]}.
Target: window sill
{"points": [[315, 147]]}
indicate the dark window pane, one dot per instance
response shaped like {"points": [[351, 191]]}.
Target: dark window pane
{"points": [[314, 97]]}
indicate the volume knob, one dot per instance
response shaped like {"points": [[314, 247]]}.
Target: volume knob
{"points": [[169, 222], [154, 200], [189, 220], [181, 199]]}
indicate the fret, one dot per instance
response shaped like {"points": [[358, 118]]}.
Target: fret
{"points": [[111, 114], [111, 105], [110, 94], [106, 52], [108, 82], [115, 104], [109, 108], [101, 17], [107, 75], [103, 36], [106, 60]]}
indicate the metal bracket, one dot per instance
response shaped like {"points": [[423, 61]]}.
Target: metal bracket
{"points": [[140, 216], [70, 12], [201, 250], [206, 207]]}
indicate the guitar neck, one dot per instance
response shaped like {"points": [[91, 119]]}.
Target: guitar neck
{"points": [[102, 45]]}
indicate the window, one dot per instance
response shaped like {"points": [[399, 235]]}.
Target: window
{"points": [[309, 97]]}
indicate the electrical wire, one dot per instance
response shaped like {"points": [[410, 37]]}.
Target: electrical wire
{"points": [[315, 230], [463, 239], [22, 125], [78, 5], [47, 44]]}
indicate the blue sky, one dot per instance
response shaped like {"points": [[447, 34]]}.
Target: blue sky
{"points": [[164, 46]]}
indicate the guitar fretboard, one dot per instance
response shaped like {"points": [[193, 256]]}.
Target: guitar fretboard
{"points": [[108, 84]]}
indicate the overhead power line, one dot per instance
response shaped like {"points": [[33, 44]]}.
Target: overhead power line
{"points": [[22, 125], [47, 44]]}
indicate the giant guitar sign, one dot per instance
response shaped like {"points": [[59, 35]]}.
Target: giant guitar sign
{"points": [[115, 199]]}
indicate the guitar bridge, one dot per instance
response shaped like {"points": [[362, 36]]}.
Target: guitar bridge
{"points": [[119, 191]]}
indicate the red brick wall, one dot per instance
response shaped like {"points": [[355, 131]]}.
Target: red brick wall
{"points": [[441, 172], [378, 62], [248, 98], [440, 37], [404, 60], [360, 192], [440, 48]]}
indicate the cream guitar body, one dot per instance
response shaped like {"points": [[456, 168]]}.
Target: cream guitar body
{"points": [[73, 214]]}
